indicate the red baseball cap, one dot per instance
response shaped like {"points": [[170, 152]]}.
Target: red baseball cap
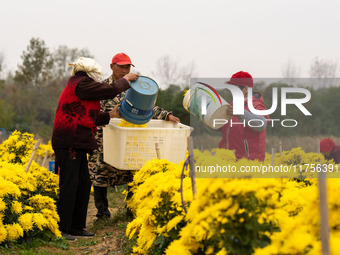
{"points": [[241, 79], [326, 145], [121, 59]]}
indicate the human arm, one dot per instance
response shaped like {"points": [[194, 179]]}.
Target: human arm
{"points": [[259, 122], [88, 89], [160, 113], [173, 118], [104, 117]]}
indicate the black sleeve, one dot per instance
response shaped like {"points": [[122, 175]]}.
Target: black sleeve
{"points": [[89, 89], [103, 119]]}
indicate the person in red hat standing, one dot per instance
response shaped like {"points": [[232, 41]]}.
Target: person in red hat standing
{"points": [[247, 141], [330, 150], [102, 174]]}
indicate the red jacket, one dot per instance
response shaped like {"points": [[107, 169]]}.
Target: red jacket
{"points": [[244, 140], [78, 111], [75, 120], [335, 154]]}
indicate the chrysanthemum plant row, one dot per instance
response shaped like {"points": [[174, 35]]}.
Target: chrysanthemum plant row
{"points": [[240, 215]]}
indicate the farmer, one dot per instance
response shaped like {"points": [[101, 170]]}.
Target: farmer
{"points": [[102, 174], [330, 150], [73, 138], [247, 141]]}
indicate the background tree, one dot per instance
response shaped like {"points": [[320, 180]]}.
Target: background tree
{"points": [[2, 64], [327, 111], [36, 67], [28, 99], [6, 115], [171, 99], [2, 67], [290, 72], [64, 55], [324, 71], [37, 84], [168, 72]]}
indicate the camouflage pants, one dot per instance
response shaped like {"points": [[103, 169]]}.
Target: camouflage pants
{"points": [[102, 174]]}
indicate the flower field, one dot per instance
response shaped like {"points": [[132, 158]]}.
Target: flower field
{"points": [[27, 200], [231, 215], [228, 215]]}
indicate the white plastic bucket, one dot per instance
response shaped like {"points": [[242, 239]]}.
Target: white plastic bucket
{"points": [[214, 106]]}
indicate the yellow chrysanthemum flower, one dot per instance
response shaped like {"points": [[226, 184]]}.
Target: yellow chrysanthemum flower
{"points": [[26, 221], [40, 221], [3, 233], [125, 123], [14, 231], [16, 207]]}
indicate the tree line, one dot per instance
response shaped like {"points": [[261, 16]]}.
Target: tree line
{"points": [[29, 96]]}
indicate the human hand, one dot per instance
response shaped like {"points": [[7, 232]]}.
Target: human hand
{"points": [[230, 110], [131, 76], [173, 118], [115, 112]]}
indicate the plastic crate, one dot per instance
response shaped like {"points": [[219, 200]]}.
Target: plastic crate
{"points": [[128, 148]]}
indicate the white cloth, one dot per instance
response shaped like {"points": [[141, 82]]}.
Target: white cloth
{"points": [[88, 65]]}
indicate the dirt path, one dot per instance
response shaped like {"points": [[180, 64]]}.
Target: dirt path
{"points": [[110, 233]]}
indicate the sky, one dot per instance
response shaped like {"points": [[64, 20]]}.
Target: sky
{"points": [[220, 37]]}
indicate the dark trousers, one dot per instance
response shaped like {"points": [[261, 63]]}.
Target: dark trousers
{"points": [[101, 202], [74, 188]]}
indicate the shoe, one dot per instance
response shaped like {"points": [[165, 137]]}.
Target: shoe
{"points": [[103, 216], [68, 236], [80, 232]]}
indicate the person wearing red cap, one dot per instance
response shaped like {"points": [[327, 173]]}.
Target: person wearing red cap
{"points": [[247, 141], [120, 65], [330, 150], [102, 174]]}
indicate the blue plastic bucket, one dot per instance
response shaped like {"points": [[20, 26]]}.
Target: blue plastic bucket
{"points": [[51, 166], [137, 105]]}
